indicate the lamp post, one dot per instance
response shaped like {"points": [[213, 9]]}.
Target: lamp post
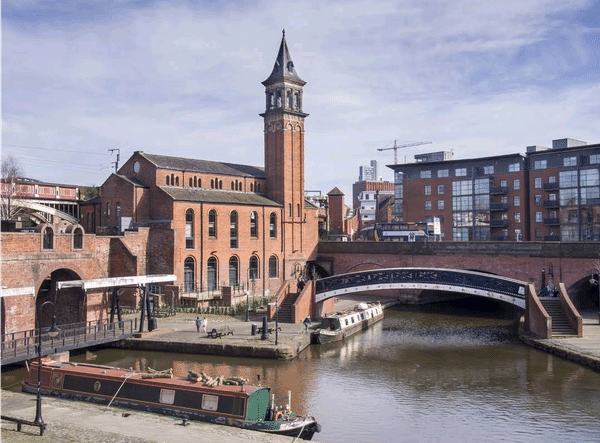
{"points": [[247, 305], [52, 333]]}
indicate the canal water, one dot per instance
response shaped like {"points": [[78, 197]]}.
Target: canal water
{"points": [[437, 373]]}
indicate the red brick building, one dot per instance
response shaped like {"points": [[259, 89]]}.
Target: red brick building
{"points": [[216, 224], [212, 224]]}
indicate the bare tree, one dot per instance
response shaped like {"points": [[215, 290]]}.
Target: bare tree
{"points": [[11, 171]]}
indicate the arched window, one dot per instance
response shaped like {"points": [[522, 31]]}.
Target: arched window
{"points": [[233, 230], [257, 187], [78, 238], [195, 182], [212, 277], [253, 270], [212, 223], [233, 271], [273, 267], [176, 181], [289, 209], [188, 275], [167, 180], [212, 183], [48, 241], [296, 101], [172, 179], [189, 229], [251, 187], [232, 186], [220, 184], [298, 210], [253, 224], [289, 99], [273, 225], [191, 182]]}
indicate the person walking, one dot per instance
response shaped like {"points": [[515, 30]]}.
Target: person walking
{"points": [[307, 323], [198, 324], [204, 324]]}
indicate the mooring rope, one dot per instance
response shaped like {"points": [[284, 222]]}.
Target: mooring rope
{"points": [[111, 400]]}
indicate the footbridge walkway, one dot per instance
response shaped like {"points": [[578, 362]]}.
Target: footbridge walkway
{"points": [[23, 345], [451, 280]]}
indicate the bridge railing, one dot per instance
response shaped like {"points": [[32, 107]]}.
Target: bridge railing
{"points": [[432, 276], [571, 313], [22, 345], [537, 319]]}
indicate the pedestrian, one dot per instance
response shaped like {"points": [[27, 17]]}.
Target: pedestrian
{"points": [[204, 324], [307, 323], [198, 324]]}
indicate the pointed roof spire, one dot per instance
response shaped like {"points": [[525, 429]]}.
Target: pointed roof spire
{"points": [[284, 66]]}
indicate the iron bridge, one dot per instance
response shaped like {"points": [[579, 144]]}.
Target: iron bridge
{"points": [[450, 280]]}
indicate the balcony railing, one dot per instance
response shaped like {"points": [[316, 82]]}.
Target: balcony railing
{"points": [[498, 206], [499, 190], [498, 223], [550, 203], [551, 221], [550, 186]]}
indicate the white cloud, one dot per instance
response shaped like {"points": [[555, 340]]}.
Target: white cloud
{"points": [[480, 78]]}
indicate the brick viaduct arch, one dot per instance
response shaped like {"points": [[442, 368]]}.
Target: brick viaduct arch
{"points": [[26, 264], [572, 263]]}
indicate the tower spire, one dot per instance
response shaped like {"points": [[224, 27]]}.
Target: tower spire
{"points": [[284, 70]]}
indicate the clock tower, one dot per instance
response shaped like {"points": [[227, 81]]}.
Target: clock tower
{"points": [[284, 154]]}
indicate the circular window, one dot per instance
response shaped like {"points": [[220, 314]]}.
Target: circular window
{"points": [[136, 167]]}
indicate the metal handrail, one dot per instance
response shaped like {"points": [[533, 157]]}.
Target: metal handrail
{"points": [[72, 336]]}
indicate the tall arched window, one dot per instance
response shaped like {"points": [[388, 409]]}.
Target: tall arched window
{"points": [[48, 241], [172, 179], [177, 181], [289, 209], [273, 225], [188, 275], [251, 187], [167, 180], [253, 270], [212, 277], [254, 224], [189, 229], [212, 223], [298, 210], [78, 238], [191, 182], [233, 271], [273, 267], [233, 230], [220, 184], [212, 183]]}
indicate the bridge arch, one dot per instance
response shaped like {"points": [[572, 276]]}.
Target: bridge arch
{"points": [[450, 280]]}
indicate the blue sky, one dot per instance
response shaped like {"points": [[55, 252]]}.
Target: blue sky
{"points": [[184, 79]]}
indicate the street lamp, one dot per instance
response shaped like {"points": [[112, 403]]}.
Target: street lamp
{"points": [[52, 333], [247, 305]]}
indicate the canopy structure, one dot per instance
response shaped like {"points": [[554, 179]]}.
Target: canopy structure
{"points": [[8, 292], [113, 282]]}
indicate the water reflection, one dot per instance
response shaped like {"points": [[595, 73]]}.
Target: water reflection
{"points": [[439, 373]]}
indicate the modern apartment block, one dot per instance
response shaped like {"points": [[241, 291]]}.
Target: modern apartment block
{"points": [[543, 195]]}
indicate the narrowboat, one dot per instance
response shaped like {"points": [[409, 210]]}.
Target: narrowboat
{"points": [[341, 325], [224, 402]]}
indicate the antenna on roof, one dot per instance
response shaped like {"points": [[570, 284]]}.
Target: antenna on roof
{"points": [[116, 163]]}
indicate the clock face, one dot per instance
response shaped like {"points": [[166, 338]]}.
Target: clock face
{"points": [[136, 167]]}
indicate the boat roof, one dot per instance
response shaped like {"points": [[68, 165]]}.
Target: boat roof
{"points": [[340, 314], [108, 372]]}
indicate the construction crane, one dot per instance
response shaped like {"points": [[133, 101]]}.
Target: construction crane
{"points": [[396, 147]]}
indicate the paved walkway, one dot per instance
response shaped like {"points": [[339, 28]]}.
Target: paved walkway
{"points": [[583, 350]]}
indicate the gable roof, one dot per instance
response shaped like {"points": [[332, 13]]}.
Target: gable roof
{"points": [[218, 196], [202, 166]]}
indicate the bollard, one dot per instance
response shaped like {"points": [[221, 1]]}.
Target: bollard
{"points": [[265, 329], [254, 328]]}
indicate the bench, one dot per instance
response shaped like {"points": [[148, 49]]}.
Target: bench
{"points": [[219, 332], [20, 422]]}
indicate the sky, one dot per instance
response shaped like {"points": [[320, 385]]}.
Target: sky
{"points": [[80, 78]]}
